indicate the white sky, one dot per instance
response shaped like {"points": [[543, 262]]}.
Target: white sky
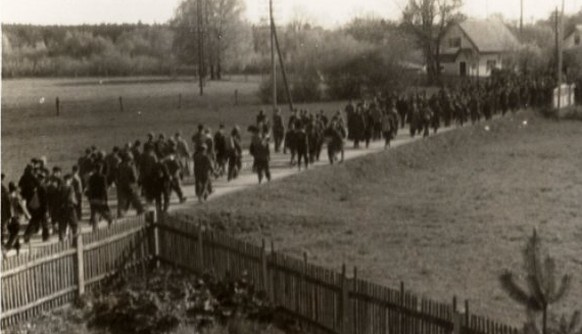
{"points": [[327, 13]]}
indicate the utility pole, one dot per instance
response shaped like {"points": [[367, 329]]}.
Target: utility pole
{"points": [[273, 63], [201, 71], [560, 53], [521, 21]]}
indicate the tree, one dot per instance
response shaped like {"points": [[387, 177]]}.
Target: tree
{"points": [[542, 288], [222, 27], [429, 20]]}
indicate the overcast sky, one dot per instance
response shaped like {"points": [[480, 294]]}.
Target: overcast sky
{"points": [[327, 13]]}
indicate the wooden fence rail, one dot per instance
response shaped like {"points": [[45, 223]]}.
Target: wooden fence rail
{"points": [[56, 274], [322, 300]]}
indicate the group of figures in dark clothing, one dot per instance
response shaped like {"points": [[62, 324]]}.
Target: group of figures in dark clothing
{"points": [[155, 169], [152, 170], [471, 103]]}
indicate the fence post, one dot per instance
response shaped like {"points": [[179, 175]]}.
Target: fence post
{"points": [[457, 318], [467, 324], [401, 318], [121, 104], [80, 265], [200, 247], [354, 310], [152, 220], [58, 105], [273, 285], [264, 271], [344, 324]]}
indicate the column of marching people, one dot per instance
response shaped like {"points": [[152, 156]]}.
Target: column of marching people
{"points": [[149, 173]]}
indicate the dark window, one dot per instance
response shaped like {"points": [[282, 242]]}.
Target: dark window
{"points": [[491, 64], [455, 42]]}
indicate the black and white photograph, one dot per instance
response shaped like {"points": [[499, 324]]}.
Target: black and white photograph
{"points": [[291, 166]]}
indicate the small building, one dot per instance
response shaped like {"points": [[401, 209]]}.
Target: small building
{"points": [[574, 39], [475, 47]]}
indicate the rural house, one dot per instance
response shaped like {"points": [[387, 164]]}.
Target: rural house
{"points": [[474, 47], [574, 39]]}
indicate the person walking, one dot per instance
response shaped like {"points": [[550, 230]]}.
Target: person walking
{"points": [[234, 153], [127, 187], [175, 174], [97, 196], [20, 215], [78, 187], [220, 149], [260, 151], [302, 146], [278, 129], [68, 209], [38, 209], [202, 173]]}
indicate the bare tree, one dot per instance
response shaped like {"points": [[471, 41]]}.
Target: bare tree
{"points": [[222, 26], [429, 20]]}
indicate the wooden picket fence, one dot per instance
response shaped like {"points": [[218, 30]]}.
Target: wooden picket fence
{"points": [[320, 299], [55, 275]]}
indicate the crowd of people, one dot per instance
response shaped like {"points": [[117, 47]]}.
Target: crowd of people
{"points": [[155, 169]]}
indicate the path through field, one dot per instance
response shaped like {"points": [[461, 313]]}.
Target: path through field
{"points": [[280, 168]]}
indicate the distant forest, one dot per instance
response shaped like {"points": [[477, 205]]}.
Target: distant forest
{"points": [[171, 49], [90, 50]]}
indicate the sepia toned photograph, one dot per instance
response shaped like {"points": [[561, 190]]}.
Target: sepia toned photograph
{"points": [[291, 166]]}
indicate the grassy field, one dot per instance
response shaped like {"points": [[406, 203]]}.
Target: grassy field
{"points": [[91, 116], [446, 215]]}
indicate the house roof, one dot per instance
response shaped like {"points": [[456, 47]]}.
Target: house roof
{"points": [[489, 35], [577, 29]]}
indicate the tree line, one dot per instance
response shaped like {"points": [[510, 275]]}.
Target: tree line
{"points": [[211, 37]]}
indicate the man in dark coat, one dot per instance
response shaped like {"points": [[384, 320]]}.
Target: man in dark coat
{"points": [[358, 126], [350, 111], [202, 172], [27, 183], [68, 209], [278, 129], [112, 161], [220, 149], [291, 142], [127, 187], [302, 146], [174, 171], [234, 153], [97, 196], [159, 182], [259, 149], [161, 146], [38, 211], [147, 165], [54, 184], [313, 138], [335, 135]]}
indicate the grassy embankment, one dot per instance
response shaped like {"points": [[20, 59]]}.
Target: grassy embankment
{"points": [[445, 215]]}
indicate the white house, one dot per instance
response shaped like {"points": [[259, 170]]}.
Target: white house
{"points": [[474, 47], [574, 39]]}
